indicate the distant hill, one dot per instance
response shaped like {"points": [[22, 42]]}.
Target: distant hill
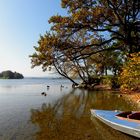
{"points": [[10, 75]]}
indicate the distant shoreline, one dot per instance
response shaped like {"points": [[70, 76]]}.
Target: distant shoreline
{"points": [[8, 74]]}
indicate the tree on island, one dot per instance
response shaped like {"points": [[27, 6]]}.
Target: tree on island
{"points": [[92, 29], [10, 75]]}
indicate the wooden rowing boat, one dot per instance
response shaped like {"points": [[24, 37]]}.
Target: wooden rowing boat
{"points": [[126, 122]]}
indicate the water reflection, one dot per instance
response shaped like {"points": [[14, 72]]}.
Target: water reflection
{"points": [[69, 118]]}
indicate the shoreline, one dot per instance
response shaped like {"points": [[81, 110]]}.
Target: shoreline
{"points": [[131, 96]]}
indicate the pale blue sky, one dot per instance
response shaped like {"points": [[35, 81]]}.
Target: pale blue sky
{"points": [[21, 23]]}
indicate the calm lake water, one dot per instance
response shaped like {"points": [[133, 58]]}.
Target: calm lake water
{"points": [[63, 114]]}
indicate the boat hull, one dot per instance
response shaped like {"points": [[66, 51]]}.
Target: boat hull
{"points": [[110, 119]]}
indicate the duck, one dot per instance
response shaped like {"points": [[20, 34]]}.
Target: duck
{"points": [[42, 93], [62, 86]]}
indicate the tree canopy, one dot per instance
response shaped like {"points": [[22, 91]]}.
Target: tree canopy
{"points": [[116, 20], [95, 36]]}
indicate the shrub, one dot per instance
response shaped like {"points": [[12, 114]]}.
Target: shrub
{"points": [[106, 80], [130, 76], [111, 81]]}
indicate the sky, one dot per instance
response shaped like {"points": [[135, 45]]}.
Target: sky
{"points": [[21, 24]]}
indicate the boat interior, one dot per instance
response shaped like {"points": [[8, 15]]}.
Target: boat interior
{"points": [[129, 115]]}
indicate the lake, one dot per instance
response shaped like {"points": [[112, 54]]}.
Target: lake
{"points": [[63, 114]]}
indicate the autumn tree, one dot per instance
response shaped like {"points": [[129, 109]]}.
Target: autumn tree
{"points": [[130, 76], [107, 61], [112, 23], [116, 20], [53, 50], [49, 53], [92, 30]]}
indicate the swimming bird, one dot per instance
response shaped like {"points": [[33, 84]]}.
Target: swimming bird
{"points": [[61, 86], [42, 93]]}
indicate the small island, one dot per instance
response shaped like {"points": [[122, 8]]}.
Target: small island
{"points": [[10, 75]]}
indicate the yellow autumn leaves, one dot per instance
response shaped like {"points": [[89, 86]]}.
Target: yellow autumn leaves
{"points": [[130, 76]]}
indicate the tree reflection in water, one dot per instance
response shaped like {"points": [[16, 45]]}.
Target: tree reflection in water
{"points": [[69, 119]]}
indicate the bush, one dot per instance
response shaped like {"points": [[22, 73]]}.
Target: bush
{"points": [[111, 81], [130, 76], [106, 80], [115, 82]]}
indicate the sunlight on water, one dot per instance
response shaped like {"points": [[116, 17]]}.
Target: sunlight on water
{"points": [[63, 114]]}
